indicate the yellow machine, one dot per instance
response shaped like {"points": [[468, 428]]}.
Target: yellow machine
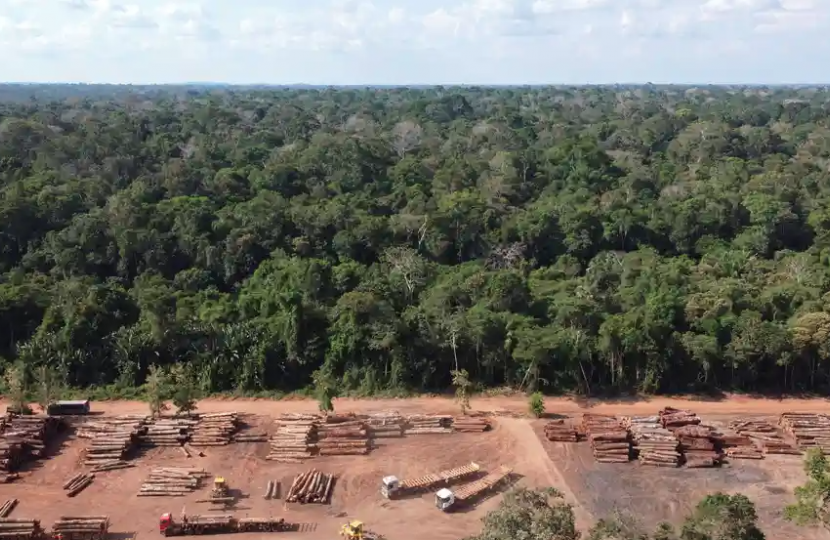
{"points": [[354, 530], [220, 488]]}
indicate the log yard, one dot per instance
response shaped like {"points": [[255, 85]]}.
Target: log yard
{"points": [[403, 469]]}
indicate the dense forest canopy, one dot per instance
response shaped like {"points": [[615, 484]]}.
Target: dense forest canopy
{"points": [[566, 238]]}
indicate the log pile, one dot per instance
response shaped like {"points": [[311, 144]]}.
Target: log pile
{"points": [[609, 440], [385, 424], [25, 438], [172, 482], [734, 445], [293, 440], [470, 424], [167, 432], [559, 431], [343, 439], [765, 436], [672, 418], [215, 429], [112, 439], [7, 508], [653, 444], [697, 446], [20, 528], [77, 483], [273, 489], [81, 526], [808, 429], [311, 487], [418, 424]]}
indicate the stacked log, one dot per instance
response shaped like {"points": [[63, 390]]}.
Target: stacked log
{"points": [[7, 508], [167, 432], [111, 444], [420, 424], [81, 526], [77, 483], [293, 439], [808, 429], [25, 438], [343, 439], [172, 482], [311, 487], [766, 437], [653, 444], [697, 446], [672, 418], [20, 528], [734, 445], [93, 429], [385, 424], [12, 455], [558, 430], [609, 440], [214, 429], [470, 424]]}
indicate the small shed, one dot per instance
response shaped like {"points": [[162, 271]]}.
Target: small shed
{"points": [[69, 407]]}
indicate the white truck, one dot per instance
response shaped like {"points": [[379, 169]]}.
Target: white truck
{"points": [[447, 499], [392, 487]]}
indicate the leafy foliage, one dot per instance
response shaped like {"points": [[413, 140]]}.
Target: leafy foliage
{"points": [[723, 517], [536, 403], [530, 515], [592, 239], [16, 388], [811, 506], [157, 390]]}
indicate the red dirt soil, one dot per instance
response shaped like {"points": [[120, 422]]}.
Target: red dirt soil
{"points": [[594, 489]]}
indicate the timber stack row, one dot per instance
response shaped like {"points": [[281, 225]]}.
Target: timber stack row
{"points": [[20, 528], [609, 440], [344, 438], [93, 527], [77, 483], [172, 482], [111, 441], [734, 445], [766, 437], [559, 431], [419, 424], [214, 429], [167, 432], [292, 440], [697, 446], [470, 424], [385, 425], [809, 430], [25, 438], [672, 418], [311, 487], [653, 444]]}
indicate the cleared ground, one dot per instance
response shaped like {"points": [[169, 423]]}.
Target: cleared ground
{"points": [[594, 489]]}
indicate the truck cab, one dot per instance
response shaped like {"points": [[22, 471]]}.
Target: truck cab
{"points": [[165, 523], [389, 485], [444, 499]]}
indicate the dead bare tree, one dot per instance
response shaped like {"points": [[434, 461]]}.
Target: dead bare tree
{"points": [[406, 263], [406, 136], [506, 257]]}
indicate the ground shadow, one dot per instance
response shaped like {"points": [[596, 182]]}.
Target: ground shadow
{"points": [[52, 448], [554, 416], [121, 535]]}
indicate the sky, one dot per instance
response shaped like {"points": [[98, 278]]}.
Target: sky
{"points": [[415, 41]]}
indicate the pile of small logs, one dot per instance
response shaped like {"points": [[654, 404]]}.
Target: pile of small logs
{"points": [[81, 526], [609, 440], [808, 429], [735, 445], [470, 424], [697, 446], [765, 436], [672, 418], [172, 482], [12, 455], [343, 439], [385, 424], [653, 444], [311, 487], [418, 424], [558, 430], [108, 451], [293, 440], [167, 432], [273, 489], [215, 429], [20, 528], [77, 483], [104, 427], [7, 508], [26, 437]]}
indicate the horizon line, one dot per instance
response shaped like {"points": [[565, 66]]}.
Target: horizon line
{"points": [[412, 85]]}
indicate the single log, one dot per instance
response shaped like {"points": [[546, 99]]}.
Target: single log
{"points": [[80, 487]]}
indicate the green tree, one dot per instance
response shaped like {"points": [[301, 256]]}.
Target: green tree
{"points": [[722, 517], [16, 388], [183, 389], [50, 383], [157, 389], [325, 390], [811, 506], [536, 403], [531, 515], [462, 384]]}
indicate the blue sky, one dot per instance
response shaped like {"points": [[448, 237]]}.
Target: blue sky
{"points": [[415, 41]]}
